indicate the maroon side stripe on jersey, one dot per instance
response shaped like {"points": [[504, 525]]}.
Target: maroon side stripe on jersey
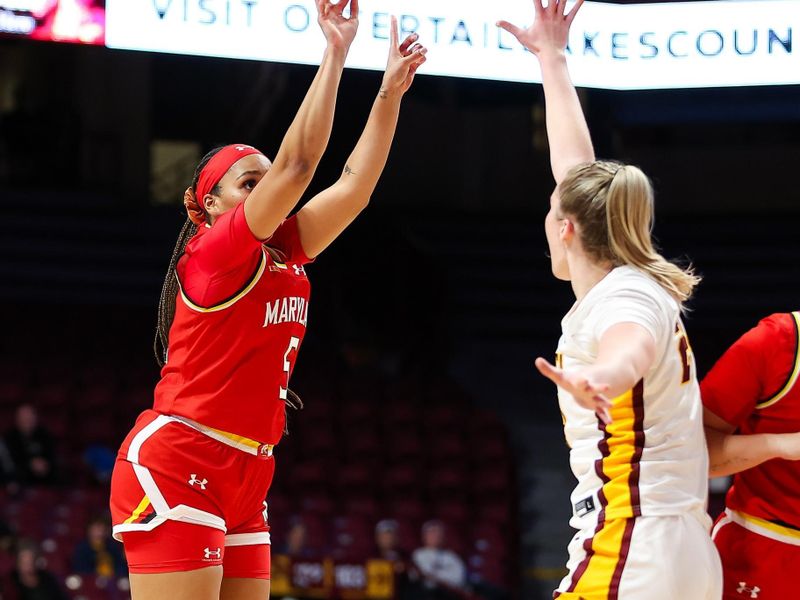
{"points": [[638, 432], [601, 497]]}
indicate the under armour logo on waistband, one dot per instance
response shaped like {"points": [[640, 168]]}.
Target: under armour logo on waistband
{"points": [[743, 589], [201, 483]]}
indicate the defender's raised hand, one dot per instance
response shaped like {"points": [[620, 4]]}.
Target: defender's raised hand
{"points": [[587, 393], [550, 29], [340, 31], [404, 60]]}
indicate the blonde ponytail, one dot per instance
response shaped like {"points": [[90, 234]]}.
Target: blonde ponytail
{"points": [[613, 207]]}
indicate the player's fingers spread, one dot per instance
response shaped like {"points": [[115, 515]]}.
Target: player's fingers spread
{"points": [[510, 28], [574, 11], [421, 58], [546, 369], [413, 56], [393, 32], [404, 47], [538, 6], [602, 401]]}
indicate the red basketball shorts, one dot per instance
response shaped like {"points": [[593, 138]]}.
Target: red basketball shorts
{"points": [[759, 558], [185, 497]]}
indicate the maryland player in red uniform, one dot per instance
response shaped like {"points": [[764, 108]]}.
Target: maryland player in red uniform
{"points": [[752, 420], [188, 490]]}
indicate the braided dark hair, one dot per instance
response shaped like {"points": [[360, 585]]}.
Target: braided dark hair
{"points": [[169, 290]]}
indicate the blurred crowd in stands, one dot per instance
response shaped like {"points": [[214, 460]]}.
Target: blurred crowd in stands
{"points": [[405, 490]]}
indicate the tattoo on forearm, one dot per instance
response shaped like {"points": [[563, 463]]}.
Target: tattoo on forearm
{"points": [[383, 93], [348, 170]]}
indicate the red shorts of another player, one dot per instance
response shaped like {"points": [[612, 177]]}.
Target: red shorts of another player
{"points": [[759, 559], [184, 497]]}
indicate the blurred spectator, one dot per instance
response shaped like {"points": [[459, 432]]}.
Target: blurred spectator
{"points": [[31, 448], [387, 544], [98, 553], [443, 573], [29, 581], [295, 544]]}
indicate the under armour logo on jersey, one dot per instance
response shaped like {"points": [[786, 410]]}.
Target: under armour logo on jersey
{"points": [[242, 148], [743, 589], [299, 269], [202, 483], [213, 554]]}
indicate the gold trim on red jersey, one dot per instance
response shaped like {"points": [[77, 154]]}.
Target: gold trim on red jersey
{"points": [[795, 372], [234, 299]]}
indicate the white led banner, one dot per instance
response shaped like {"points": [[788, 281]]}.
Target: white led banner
{"points": [[633, 46]]}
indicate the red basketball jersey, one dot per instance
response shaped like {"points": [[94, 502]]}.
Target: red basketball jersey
{"points": [[755, 387], [240, 318]]}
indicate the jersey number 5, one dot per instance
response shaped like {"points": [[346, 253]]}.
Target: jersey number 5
{"points": [[294, 344]]}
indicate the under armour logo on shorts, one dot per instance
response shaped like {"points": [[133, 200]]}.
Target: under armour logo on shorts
{"points": [[213, 554], [743, 589], [201, 483]]}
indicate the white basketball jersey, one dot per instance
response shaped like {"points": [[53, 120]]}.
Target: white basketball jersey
{"points": [[652, 459]]}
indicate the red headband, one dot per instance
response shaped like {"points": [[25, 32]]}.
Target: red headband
{"points": [[219, 164], [216, 168]]}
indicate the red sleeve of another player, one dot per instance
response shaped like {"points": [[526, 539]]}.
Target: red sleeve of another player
{"points": [[220, 260], [287, 239], [736, 383]]}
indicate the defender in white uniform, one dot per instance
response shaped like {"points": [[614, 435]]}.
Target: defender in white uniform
{"points": [[640, 501], [626, 378]]}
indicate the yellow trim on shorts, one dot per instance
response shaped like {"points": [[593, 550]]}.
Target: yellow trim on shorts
{"points": [[795, 371], [259, 272], [138, 510], [595, 582], [769, 525], [239, 439]]}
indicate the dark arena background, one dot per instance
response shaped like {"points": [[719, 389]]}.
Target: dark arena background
{"points": [[421, 399]]}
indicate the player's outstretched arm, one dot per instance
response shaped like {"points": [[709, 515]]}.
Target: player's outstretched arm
{"points": [[567, 131], [305, 141], [327, 214], [730, 453], [625, 354]]}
